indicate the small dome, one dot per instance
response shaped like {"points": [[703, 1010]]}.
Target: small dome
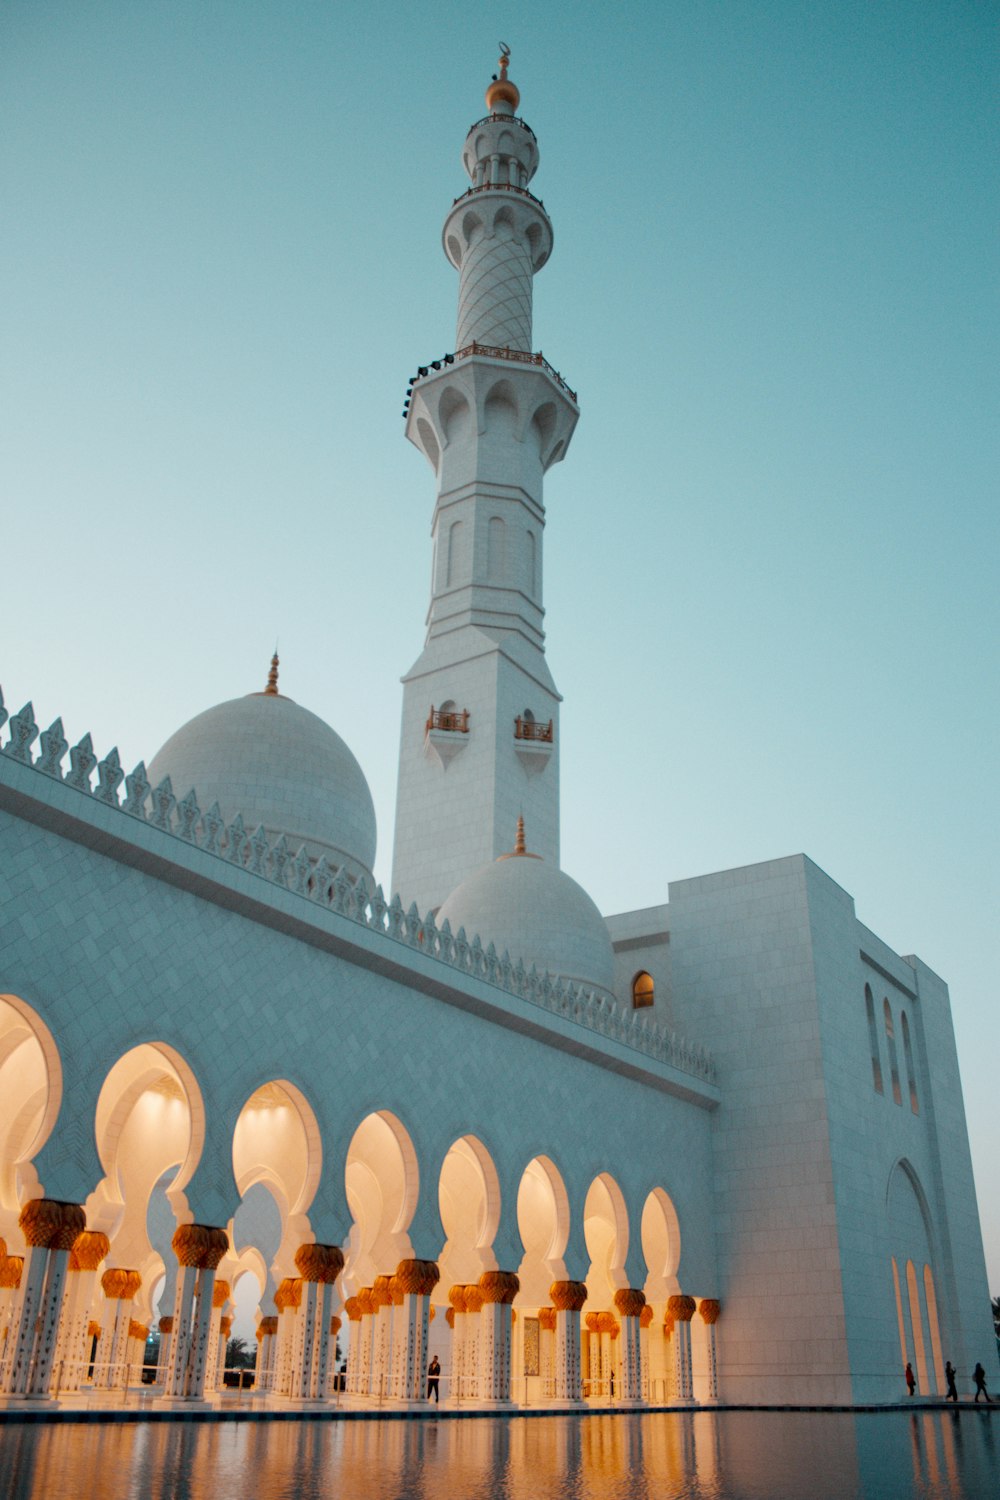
{"points": [[539, 914], [278, 765]]}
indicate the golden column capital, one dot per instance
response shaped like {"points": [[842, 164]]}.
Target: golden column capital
{"points": [[89, 1249], [432, 1313], [267, 1327], [456, 1296], [547, 1319], [630, 1301], [120, 1284], [335, 1326], [381, 1295], [449, 1316], [138, 1331], [11, 1267], [710, 1308], [418, 1277], [668, 1325], [200, 1245], [646, 1316], [681, 1308], [499, 1286], [593, 1322], [289, 1293], [51, 1224], [568, 1296], [166, 1325], [366, 1301], [322, 1263], [93, 1329], [474, 1299], [221, 1293], [352, 1308], [226, 1326]]}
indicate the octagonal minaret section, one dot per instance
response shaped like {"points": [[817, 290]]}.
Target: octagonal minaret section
{"points": [[480, 732]]}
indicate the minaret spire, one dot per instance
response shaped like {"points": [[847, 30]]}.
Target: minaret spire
{"points": [[490, 418], [271, 690]]}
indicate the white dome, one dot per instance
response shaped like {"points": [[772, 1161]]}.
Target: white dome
{"points": [[278, 765], [540, 915]]}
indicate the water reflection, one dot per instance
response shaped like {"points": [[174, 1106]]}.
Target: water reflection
{"points": [[678, 1456]]}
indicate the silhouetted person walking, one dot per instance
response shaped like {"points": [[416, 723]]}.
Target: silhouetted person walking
{"points": [[949, 1375], [433, 1378], [911, 1383], [979, 1376]]}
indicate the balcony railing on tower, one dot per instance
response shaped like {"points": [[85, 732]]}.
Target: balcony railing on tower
{"points": [[528, 729], [454, 720]]}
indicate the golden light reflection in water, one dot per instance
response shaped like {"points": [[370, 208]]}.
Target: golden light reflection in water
{"points": [[680, 1456]]}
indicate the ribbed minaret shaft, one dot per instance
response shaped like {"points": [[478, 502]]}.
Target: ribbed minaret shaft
{"points": [[490, 420]]}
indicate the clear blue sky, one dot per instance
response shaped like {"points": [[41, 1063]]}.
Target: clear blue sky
{"points": [[772, 551]]}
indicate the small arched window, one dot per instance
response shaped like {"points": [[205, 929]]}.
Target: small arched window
{"points": [[643, 990], [911, 1077], [890, 1037], [873, 1040]]}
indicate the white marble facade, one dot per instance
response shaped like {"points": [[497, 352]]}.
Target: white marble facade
{"points": [[711, 1150]]}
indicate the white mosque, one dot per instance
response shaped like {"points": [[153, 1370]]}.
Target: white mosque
{"points": [[710, 1151]]}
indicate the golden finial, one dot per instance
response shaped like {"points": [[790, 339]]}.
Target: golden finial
{"points": [[271, 691], [520, 849], [502, 90]]}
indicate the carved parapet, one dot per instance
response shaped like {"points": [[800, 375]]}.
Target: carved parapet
{"points": [[381, 1295], [710, 1308], [138, 1331], [499, 1286], [94, 1329], [568, 1296], [681, 1308], [321, 1263], [221, 1292], [547, 1319], [225, 1326], [418, 1277], [200, 1245], [646, 1316], [166, 1325], [50, 1224], [630, 1302], [352, 1308], [120, 1284], [474, 1299], [11, 1267], [89, 1249]]}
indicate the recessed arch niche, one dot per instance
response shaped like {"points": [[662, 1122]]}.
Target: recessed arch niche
{"points": [[382, 1183], [605, 1230], [31, 1088], [543, 1221], [469, 1203]]}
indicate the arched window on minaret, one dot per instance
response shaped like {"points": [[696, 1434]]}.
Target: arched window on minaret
{"points": [[454, 542], [496, 556], [643, 990], [532, 565], [873, 1040], [911, 1077], [890, 1037]]}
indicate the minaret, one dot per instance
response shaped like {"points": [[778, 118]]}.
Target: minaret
{"points": [[480, 733]]}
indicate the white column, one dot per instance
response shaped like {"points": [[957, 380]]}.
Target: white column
{"points": [[180, 1341], [199, 1249], [630, 1303], [709, 1308], [568, 1298], [547, 1318], [497, 1290]]}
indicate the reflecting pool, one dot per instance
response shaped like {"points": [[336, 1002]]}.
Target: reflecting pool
{"points": [[660, 1456]]}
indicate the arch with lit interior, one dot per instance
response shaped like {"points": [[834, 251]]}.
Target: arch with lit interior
{"points": [[543, 1222], [31, 1089], [605, 1230], [469, 1203], [382, 1183]]}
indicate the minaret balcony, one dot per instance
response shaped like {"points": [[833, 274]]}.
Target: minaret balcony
{"points": [[533, 743], [446, 733], [498, 187]]}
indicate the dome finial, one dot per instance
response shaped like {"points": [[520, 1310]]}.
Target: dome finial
{"points": [[271, 690], [520, 847], [503, 95]]}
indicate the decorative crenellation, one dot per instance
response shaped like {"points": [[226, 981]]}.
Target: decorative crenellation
{"points": [[333, 888]]}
